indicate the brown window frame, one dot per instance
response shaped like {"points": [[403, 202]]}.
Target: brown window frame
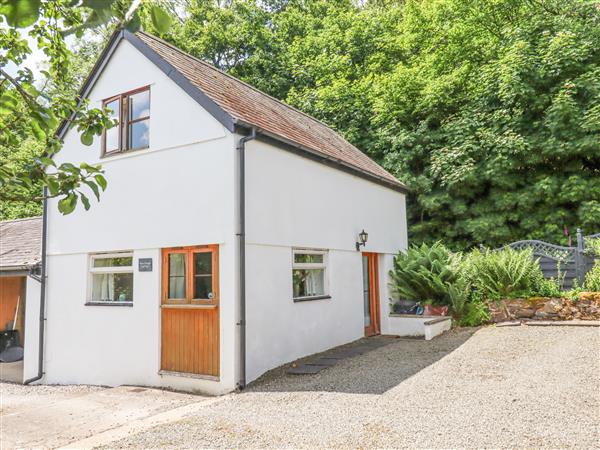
{"points": [[189, 275], [123, 99]]}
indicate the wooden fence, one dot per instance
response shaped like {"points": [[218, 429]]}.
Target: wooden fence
{"points": [[570, 263]]}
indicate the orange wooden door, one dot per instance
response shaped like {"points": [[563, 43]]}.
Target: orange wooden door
{"points": [[190, 310], [11, 298], [370, 268]]}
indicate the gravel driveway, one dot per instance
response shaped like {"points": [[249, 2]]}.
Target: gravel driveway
{"points": [[494, 387]]}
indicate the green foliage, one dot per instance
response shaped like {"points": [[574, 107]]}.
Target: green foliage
{"points": [[433, 274], [592, 247], [573, 293], [548, 288], [502, 273], [31, 110], [423, 273], [474, 314], [592, 279], [488, 110]]}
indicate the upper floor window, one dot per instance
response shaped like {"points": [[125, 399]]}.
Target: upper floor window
{"points": [[132, 110]]}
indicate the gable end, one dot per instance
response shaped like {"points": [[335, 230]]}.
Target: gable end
{"points": [[195, 93]]}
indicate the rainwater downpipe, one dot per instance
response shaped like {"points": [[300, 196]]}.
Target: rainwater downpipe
{"points": [[40, 373], [242, 249]]}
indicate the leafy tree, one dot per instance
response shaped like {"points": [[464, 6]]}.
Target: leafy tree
{"points": [[31, 110]]}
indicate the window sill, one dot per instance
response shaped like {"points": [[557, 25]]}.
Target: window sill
{"points": [[310, 299], [127, 304]]}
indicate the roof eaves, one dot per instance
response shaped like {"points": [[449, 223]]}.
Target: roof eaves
{"points": [[19, 268]]}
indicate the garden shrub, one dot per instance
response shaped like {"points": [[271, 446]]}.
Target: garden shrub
{"points": [[465, 282], [474, 314], [467, 309], [423, 274], [592, 279], [505, 273], [552, 287], [458, 294]]}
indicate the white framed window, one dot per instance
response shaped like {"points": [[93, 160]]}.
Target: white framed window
{"points": [[111, 278], [309, 274]]}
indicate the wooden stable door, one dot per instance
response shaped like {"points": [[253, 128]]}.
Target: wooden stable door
{"points": [[190, 310], [370, 267]]}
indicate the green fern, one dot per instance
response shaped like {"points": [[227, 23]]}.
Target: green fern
{"points": [[423, 274], [502, 273]]}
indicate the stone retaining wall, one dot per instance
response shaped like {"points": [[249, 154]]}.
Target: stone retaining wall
{"points": [[587, 307]]}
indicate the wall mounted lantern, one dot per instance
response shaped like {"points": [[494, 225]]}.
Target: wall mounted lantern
{"points": [[362, 239]]}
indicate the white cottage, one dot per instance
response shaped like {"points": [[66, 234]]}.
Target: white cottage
{"points": [[228, 241]]}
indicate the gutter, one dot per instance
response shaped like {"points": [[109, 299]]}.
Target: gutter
{"points": [[42, 280], [16, 271], [242, 255]]}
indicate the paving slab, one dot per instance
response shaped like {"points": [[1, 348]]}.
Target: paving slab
{"points": [[305, 369]]}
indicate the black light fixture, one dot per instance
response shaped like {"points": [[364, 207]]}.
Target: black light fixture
{"points": [[362, 239]]}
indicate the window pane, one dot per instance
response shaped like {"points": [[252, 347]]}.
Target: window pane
{"points": [[366, 291], [177, 275], [203, 263], [112, 134], [308, 282], [139, 105], [203, 287], [308, 258], [119, 261], [139, 134], [112, 139], [114, 108], [112, 287]]}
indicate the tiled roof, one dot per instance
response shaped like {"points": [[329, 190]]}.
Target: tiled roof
{"points": [[252, 107], [20, 243]]}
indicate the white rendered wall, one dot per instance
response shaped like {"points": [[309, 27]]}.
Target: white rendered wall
{"points": [[32, 327], [433, 329], [180, 191], [291, 202]]}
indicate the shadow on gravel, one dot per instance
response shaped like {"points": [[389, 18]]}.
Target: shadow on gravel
{"points": [[375, 371]]}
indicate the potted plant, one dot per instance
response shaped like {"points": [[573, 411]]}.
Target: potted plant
{"points": [[435, 310]]}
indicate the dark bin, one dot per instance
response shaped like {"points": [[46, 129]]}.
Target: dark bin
{"points": [[9, 338]]}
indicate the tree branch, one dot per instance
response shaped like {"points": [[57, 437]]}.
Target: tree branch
{"points": [[19, 88]]}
